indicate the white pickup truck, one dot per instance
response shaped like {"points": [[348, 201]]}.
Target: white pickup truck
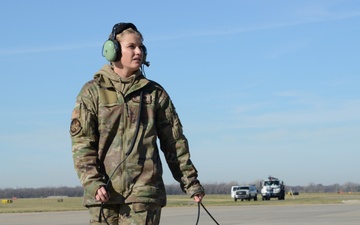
{"points": [[246, 192]]}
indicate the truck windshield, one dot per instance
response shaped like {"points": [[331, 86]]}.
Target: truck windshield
{"points": [[271, 183]]}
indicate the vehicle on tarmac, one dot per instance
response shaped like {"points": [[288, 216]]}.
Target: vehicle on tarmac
{"points": [[245, 192], [233, 190], [272, 188]]}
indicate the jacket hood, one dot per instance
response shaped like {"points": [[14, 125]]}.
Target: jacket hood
{"points": [[108, 78]]}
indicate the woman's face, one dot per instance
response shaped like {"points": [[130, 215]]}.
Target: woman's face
{"points": [[131, 52]]}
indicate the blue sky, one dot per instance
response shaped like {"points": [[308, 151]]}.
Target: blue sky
{"points": [[262, 87]]}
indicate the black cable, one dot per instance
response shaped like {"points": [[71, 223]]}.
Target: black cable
{"points": [[197, 221], [198, 215]]}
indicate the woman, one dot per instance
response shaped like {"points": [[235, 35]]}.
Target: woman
{"points": [[117, 119]]}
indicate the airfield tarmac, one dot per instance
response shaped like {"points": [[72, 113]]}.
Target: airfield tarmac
{"points": [[336, 214]]}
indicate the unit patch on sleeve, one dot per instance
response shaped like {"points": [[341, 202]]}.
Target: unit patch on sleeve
{"points": [[75, 127]]}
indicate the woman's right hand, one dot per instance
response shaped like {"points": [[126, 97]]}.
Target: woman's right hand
{"points": [[102, 195]]}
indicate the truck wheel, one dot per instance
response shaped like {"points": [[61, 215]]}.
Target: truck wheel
{"points": [[235, 199], [255, 198]]}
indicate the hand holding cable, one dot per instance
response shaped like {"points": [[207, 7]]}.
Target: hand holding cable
{"points": [[198, 197], [102, 195]]}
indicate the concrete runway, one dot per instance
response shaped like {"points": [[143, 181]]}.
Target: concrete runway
{"points": [[339, 214]]}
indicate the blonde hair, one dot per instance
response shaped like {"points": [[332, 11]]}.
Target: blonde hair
{"points": [[128, 31]]}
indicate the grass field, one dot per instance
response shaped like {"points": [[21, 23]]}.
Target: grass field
{"points": [[74, 204]]}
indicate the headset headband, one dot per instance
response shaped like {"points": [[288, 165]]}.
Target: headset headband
{"points": [[120, 27]]}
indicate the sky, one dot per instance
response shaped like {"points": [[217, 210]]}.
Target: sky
{"points": [[261, 87]]}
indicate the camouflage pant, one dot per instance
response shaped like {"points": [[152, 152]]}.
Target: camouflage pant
{"points": [[126, 214]]}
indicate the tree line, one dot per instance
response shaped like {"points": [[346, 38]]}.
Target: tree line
{"points": [[173, 189]]}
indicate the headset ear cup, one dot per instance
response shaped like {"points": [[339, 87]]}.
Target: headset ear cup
{"points": [[144, 51], [110, 50]]}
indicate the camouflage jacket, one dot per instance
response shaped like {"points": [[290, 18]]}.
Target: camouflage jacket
{"points": [[102, 128]]}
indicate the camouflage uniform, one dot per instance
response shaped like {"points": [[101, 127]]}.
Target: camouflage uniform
{"points": [[102, 128]]}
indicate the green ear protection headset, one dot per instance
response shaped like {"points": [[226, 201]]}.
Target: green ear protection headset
{"points": [[112, 49]]}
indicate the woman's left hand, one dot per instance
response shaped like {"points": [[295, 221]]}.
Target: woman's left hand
{"points": [[198, 198]]}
